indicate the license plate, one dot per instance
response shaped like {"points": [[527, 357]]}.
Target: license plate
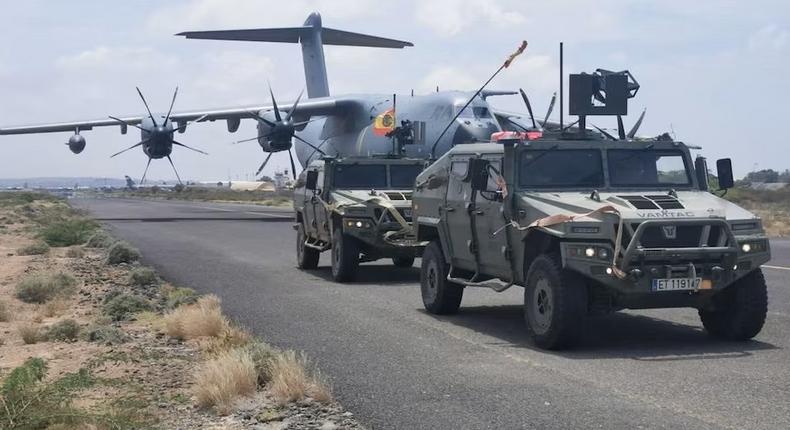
{"points": [[676, 284]]}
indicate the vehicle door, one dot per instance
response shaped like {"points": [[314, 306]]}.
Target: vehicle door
{"points": [[456, 218], [490, 218], [312, 205], [318, 202]]}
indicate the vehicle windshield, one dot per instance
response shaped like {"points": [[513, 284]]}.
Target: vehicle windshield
{"points": [[403, 176], [362, 176], [575, 168], [646, 167]]}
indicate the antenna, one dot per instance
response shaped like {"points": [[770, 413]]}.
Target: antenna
{"points": [[504, 65], [562, 91]]}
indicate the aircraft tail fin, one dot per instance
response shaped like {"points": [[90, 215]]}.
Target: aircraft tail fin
{"points": [[312, 36]]}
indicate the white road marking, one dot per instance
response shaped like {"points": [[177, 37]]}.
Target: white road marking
{"points": [[776, 267]]}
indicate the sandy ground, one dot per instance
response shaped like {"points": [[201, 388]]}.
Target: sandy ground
{"points": [[150, 371]]}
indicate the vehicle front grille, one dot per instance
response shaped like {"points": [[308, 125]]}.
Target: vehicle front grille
{"points": [[685, 236]]}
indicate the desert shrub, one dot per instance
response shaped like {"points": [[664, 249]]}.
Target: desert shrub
{"points": [[5, 313], [66, 330], [75, 252], [202, 319], [41, 288], [143, 277], [105, 334], [178, 296], [29, 332], [100, 239], [291, 380], [31, 403], [122, 252], [68, 232], [122, 306], [219, 381], [38, 248]]}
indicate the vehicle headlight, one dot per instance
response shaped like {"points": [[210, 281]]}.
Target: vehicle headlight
{"points": [[588, 251], [358, 223], [752, 246]]}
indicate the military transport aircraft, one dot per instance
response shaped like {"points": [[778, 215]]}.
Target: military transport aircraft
{"points": [[321, 124]]}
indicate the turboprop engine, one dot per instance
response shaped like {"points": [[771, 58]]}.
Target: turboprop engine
{"points": [[76, 143]]}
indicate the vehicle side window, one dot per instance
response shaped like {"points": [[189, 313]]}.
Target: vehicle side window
{"points": [[300, 181], [494, 171], [459, 168]]}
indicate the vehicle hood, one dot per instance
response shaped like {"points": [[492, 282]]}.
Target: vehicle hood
{"points": [[690, 204]]}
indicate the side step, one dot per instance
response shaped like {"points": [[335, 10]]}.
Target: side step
{"points": [[495, 284], [316, 244]]}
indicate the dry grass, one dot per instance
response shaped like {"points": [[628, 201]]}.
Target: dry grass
{"points": [[5, 313], [291, 380], [202, 319], [221, 380], [75, 252], [30, 333], [54, 308]]}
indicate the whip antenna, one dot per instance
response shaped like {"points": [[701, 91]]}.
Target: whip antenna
{"points": [[504, 65]]}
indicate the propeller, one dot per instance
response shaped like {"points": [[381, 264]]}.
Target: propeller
{"points": [[635, 128], [529, 107], [551, 109], [280, 132], [157, 141]]}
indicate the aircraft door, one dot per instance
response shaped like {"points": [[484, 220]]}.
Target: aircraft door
{"points": [[490, 218], [454, 211]]}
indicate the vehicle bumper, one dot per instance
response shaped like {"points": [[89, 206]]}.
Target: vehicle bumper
{"points": [[717, 266]]}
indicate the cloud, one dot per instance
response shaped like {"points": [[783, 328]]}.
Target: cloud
{"points": [[450, 17], [217, 14], [122, 57], [769, 38]]}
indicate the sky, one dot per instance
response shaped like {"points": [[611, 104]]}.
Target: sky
{"points": [[713, 72]]}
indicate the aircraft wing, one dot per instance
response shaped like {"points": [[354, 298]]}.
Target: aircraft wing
{"points": [[307, 108]]}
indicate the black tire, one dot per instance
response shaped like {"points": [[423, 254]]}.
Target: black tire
{"points": [[403, 262], [345, 256], [306, 258], [555, 304], [739, 311], [439, 296]]}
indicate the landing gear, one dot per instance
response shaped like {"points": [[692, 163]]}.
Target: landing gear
{"points": [[739, 311], [403, 262], [439, 296], [306, 257], [345, 256], [554, 304]]}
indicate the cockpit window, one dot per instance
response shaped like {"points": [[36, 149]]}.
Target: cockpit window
{"points": [[476, 112]]}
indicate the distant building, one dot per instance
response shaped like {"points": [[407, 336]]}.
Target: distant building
{"points": [[769, 186]]}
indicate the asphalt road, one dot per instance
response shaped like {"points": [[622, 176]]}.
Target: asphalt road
{"points": [[396, 366]]}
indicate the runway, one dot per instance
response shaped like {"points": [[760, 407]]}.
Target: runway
{"points": [[395, 366]]}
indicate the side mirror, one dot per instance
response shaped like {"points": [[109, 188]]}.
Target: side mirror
{"points": [[724, 172], [311, 181], [701, 169], [478, 173]]}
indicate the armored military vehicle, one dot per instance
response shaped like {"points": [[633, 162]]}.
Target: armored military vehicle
{"points": [[589, 223], [359, 208]]}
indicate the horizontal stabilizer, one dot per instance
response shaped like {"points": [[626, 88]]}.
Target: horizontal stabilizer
{"points": [[329, 36]]}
